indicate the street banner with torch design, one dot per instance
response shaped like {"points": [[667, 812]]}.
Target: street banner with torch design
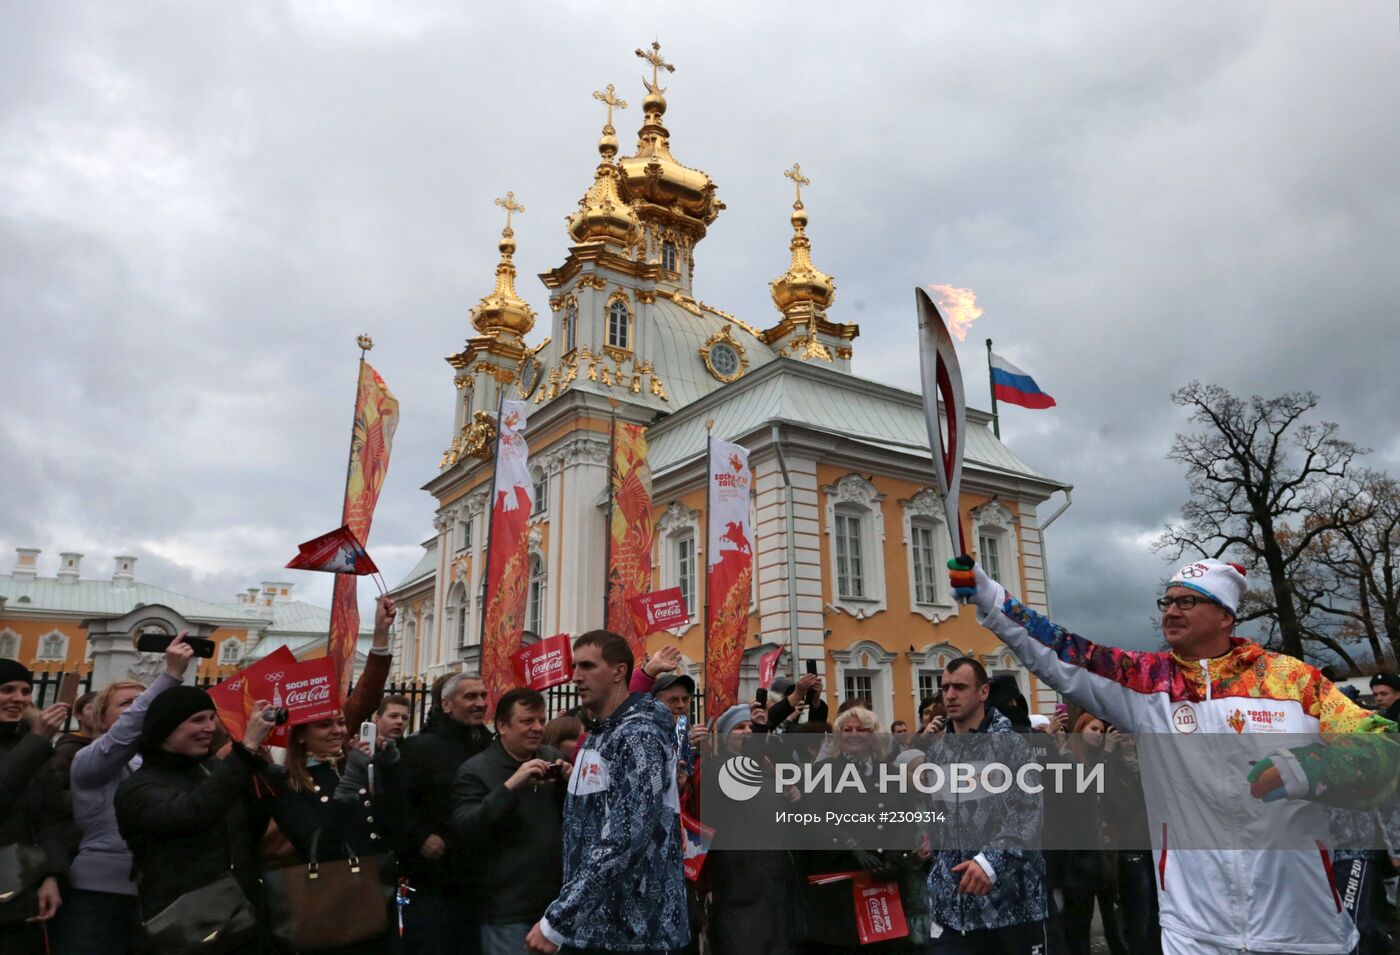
{"points": [[507, 554], [376, 418], [629, 532], [729, 572]]}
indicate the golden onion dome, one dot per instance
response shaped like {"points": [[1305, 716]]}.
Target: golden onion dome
{"points": [[602, 214], [653, 175], [504, 310], [803, 283]]}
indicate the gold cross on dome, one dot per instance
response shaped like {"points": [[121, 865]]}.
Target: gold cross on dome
{"points": [[510, 205], [799, 180], [657, 65], [610, 100]]}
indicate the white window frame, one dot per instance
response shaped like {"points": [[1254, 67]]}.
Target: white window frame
{"points": [[539, 483], [686, 577], [613, 304], [9, 644], [41, 655], [853, 495], [224, 654], [677, 523], [537, 600], [1004, 661], [925, 511], [458, 603], [569, 332], [932, 659], [669, 245], [408, 639], [994, 520], [868, 658]]}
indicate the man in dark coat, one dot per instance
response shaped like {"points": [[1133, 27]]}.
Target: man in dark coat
{"points": [[441, 916], [509, 810]]}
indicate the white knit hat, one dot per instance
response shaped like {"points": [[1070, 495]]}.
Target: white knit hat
{"points": [[1221, 582], [732, 717]]}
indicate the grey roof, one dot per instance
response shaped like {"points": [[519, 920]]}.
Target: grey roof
{"points": [[297, 618], [100, 598], [426, 566], [825, 400]]}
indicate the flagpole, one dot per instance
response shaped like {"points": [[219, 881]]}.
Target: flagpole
{"points": [[709, 524], [612, 495], [991, 383], [365, 343], [490, 526]]}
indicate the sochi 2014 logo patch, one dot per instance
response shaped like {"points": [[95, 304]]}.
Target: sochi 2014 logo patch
{"points": [[1184, 719]]}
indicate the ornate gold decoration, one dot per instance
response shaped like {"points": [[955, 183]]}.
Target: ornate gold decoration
{"points": [[602, 215], [461, 382], [803, 283], [646, 297], [476, 440], [844, 352], [732, 319], [592, 281], [726, 338], [503, 311], [365, 342], [660, 188]]}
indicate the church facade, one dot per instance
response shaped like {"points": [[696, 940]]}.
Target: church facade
{"points": [[850, 543]]}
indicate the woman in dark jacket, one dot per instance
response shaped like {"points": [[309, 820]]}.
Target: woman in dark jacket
{"points": [[27, 825], [311, 800], [1089, 872], [185, 816], [751, 890]]}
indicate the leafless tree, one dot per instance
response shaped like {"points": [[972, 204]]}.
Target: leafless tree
{"points": [[1264, 484]]}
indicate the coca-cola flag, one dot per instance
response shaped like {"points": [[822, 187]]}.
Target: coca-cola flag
{"points": [[695, 845], [335, 553], [879, 911], [547, 663], [768, 666], [661, 610], [309, 691], [234, 697]]}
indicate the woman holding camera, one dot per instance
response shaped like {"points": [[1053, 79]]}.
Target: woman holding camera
{"points": [[186, 820], [100, 914]]}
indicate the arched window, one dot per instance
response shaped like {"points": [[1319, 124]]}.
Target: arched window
{"points": [[668, 256], [231, 650], [534, 608], [539, 477], [407, 661], [457, 614], [619, 324], [570, 335], [53, 646], [9, 644]]}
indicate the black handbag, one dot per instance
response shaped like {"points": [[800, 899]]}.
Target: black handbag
{"points": [[21, 872], [208, 920]]}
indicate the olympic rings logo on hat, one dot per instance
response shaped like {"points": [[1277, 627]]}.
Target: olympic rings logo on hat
{"points": [[1194, 570]]}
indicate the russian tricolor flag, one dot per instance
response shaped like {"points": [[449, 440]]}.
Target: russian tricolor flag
{"points": [[1013, 386]]}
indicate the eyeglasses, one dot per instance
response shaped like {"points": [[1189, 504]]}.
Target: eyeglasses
{"points": [[1185, 601]]}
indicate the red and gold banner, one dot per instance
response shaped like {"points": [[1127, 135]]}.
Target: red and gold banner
{"points": [[729, 580], [630, 534], [508, 557], [376, 417]]}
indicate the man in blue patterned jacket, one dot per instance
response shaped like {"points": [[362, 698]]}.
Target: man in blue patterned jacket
{"points": [[624, 886], [986, 883]]}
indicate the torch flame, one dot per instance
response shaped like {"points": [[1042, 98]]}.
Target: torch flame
{"points": [[959, 306]]}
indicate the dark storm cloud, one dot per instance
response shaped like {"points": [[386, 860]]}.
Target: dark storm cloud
{"points": [[204, 204]]}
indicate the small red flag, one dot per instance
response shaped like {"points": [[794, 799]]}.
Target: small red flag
{"points": [[546, 663], [768, 666], [661, 610], [338, 552]]}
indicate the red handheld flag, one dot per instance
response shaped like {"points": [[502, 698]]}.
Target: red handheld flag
{"points": [[661, 610], [546, 663], [768, 666], [338, 552]]}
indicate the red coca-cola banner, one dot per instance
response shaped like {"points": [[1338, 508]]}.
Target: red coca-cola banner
{"points": [[547, 663], [768, 666], [660, 610], [879, 910], [234, 697], [308, 691]]}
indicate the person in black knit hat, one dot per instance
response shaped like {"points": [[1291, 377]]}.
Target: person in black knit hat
{"points": [[184, 814]]}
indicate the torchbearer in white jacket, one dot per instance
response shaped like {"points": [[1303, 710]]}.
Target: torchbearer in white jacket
{"points": [[1213, 800]]}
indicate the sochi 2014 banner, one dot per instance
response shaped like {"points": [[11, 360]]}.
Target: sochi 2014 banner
{"points": [[630, 534], [508, 558], [729, 580], [376, 418]]}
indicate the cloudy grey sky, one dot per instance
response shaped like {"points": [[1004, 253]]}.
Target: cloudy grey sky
{"points": [[203, 204]]}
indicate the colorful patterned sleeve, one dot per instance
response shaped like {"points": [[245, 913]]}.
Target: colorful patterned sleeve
{"points": [[1107, 681], [1358, 763]]}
